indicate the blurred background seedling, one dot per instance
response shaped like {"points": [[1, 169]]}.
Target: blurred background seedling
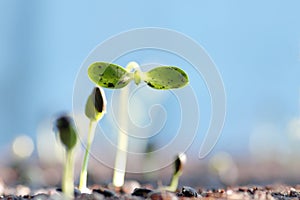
{"points": [[68, 137]]}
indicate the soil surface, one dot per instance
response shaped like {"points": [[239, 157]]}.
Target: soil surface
{"points": [[281, 192]]}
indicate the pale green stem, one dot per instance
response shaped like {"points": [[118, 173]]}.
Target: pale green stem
{"points": [[68, 177], [83, 173], [121, 155], [174, 182]]}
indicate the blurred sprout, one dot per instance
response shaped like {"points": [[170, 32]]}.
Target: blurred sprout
{"points": [[224, 166], [67, 132], [68, 136], [95, 109], [178, 168]]}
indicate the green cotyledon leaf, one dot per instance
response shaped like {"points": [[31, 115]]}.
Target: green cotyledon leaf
{"points": [[109, 75], [166, 77]]}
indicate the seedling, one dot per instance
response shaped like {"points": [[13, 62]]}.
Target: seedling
{"points": [[113, 76], [68, 137], [95, 109], [178, 168]]}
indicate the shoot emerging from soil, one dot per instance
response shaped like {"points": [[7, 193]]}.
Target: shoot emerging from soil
{"points": [[68, 137], [95, 109], [113, 76], [178, 168]]}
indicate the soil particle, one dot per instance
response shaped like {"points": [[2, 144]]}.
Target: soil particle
{"points": [[76, 191], [41, 197], [106, 193], [130, 186], [12, 197], [188, 192], [142, 192], [93, 196], [161, 195]]}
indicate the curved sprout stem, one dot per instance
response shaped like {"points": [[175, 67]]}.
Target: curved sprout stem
{"points": [[178, 166], [174, 183], [132, 66], [83, 173]]}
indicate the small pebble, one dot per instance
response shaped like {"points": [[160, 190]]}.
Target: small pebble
{"points": [[142, 192], [130, 186], [236, 196], [105, 192], [243, 189], [162, 195], [131, 197], [188, 192], [41, 197], [229, 192], [12, 197], [93, 196], [76, 191], [22, 190]]}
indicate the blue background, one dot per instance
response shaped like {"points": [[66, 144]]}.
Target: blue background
{"points": [[255, 45]]}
